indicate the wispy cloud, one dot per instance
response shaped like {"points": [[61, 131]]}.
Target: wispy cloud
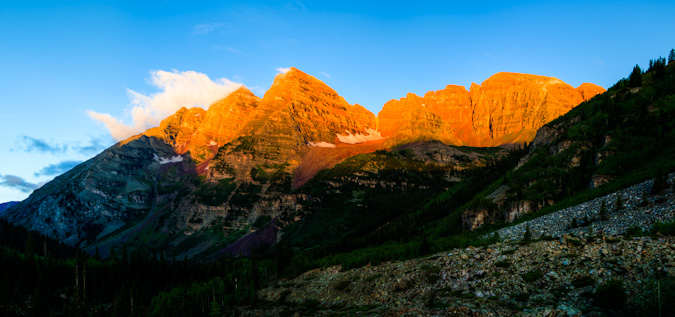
{"points": [[283, 69], [206, 28], [33, 145], [295, 5], [18, 183], [325, 74], [226, 48], [57, 169], [598, 61], [95, 146], [30, 144], [177, 89]]}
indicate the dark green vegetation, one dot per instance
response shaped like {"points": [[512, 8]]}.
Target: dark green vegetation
{"points": [[41, 277], [382, 206]]}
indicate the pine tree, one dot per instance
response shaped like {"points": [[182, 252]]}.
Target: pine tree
{"points": [[527, 237], [635, 79], [603, 210], [671, 56], [660, 182], [645, 199], [215, 309], [619, 203], [496, 238], [574, 223]]}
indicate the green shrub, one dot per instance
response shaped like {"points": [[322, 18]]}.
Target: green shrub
{"points": [[341, 285], [574, 242], [521, 297], [503, 263], [372, 277], [665, 228], [261, 221], [583, 281], [635, 231], [610, 295], [532, 276]]}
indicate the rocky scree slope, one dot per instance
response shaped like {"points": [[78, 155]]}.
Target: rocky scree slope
{"points": [[544, 278]]}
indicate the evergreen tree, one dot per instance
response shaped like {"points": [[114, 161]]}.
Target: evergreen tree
{"points": [[574, 223], [635, 79], [645, 199], [603, 210], [495, 238], [619, 203], [527, 237], [660, 182], [215, 309], [671, 56]]}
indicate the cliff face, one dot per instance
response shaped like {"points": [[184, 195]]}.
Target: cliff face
{"points": [[505, 108]]}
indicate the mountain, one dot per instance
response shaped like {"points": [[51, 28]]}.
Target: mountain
{"points": [[579, 221], [505, 108], [5, 206], [203, 179]]}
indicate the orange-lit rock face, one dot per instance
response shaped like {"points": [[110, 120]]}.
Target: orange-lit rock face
{"points": [[505, 108], [202, 131], [588, 90], [319, 113], [300, 112]]}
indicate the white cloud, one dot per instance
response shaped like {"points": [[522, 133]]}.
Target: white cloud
{"points": [[283, 70], [177, 89], [360, 138], [325, 74]]}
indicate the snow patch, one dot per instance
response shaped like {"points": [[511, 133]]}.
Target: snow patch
{"points": [[213, 143], [360, 138], [173, 159], [321, 144]]}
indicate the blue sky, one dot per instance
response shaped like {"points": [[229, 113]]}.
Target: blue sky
{"points": [[62, 61]]}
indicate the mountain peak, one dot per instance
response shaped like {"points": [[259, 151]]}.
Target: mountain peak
{"points": [[588, 90], [521, 77], [241, 91]]}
